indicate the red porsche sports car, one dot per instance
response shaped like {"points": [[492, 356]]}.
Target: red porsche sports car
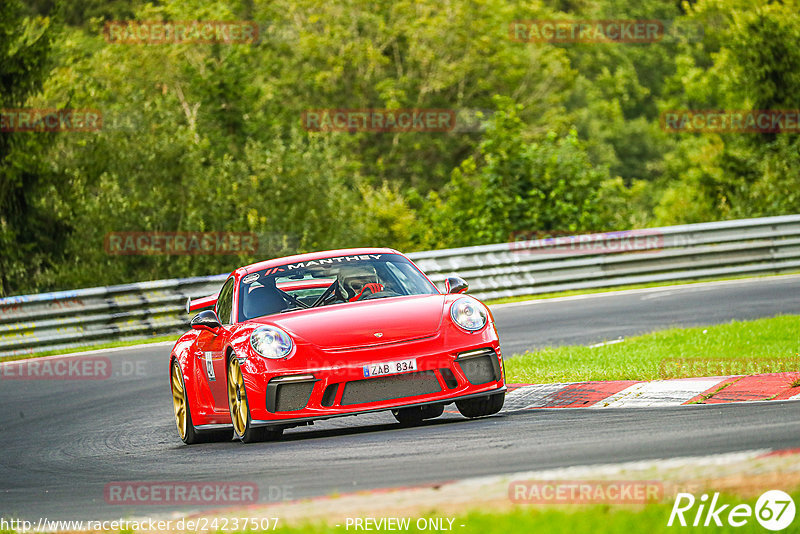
{"points": [[329, 334]]}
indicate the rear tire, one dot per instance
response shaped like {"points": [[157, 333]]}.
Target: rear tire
{"points": [[415, 415], [243, 428], [481, 406], [183, 413]]}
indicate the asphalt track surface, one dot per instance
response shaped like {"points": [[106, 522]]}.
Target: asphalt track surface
{"points": [[61, 442]]}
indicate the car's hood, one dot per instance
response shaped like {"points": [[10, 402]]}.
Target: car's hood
{"points": [[367, 323]]}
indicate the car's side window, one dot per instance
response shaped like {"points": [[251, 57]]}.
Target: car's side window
{"points": [[225, 302], [410, 283]]}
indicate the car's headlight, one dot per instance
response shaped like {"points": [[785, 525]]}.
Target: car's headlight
{"points": [[271, 342], [469, 314]]}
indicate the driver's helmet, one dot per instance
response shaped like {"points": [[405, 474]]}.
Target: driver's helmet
{"points": [[353, 278]]}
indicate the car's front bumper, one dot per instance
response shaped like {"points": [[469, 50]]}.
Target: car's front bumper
{"points": [[300, 421], [324, 385]]}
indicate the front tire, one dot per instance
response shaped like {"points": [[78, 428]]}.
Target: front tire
{"points": [[243, 428], [481, 406], [416, 414]]}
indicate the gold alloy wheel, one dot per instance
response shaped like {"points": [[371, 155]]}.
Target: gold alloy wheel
{"points": [[237, 400], [179, 400]]}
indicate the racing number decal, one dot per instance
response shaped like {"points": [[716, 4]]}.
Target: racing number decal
{"points": [[208, 357], [210, 364]]}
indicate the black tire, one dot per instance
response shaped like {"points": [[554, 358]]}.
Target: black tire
{"points": [[261, 433], [239, 407], [189, 435], [481, 406], [417, 414]]}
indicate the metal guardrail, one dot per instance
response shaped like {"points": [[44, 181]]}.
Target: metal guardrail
{"points": [[693, 251], [67, 319]]}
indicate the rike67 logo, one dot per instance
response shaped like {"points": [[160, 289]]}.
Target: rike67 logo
{"points": [[774, 510]]}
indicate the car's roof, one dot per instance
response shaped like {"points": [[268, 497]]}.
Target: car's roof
{"points": [[276, 262]]}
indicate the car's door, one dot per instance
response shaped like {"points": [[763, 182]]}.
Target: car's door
{"points": [[212, 349]]}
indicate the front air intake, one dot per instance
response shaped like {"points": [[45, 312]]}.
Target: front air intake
{"points": [[479, 366], [289, 394], [329, 396]]}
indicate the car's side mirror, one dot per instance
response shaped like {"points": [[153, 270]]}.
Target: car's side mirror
{"points": [[206, 320], [455, 284]]}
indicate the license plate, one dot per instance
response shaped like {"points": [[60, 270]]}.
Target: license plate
{"points": [[390, 368]]}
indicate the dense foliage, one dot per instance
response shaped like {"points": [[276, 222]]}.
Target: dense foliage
{"points": [[208, 137]]}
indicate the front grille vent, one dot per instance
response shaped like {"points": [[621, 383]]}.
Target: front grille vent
{"points": [[390, 388]]}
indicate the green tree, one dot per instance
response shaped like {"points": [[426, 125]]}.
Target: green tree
{"points": [[31, 235], [748, 61], [520, 184]]}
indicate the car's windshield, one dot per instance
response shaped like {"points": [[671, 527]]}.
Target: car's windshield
{"points": [[334, 280]]}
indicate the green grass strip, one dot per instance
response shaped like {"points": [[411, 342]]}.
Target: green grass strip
{"points": [[739, 347], [559, 519]]}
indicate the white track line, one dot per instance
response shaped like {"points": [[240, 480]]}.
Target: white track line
{"points": [[659, 393]]}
